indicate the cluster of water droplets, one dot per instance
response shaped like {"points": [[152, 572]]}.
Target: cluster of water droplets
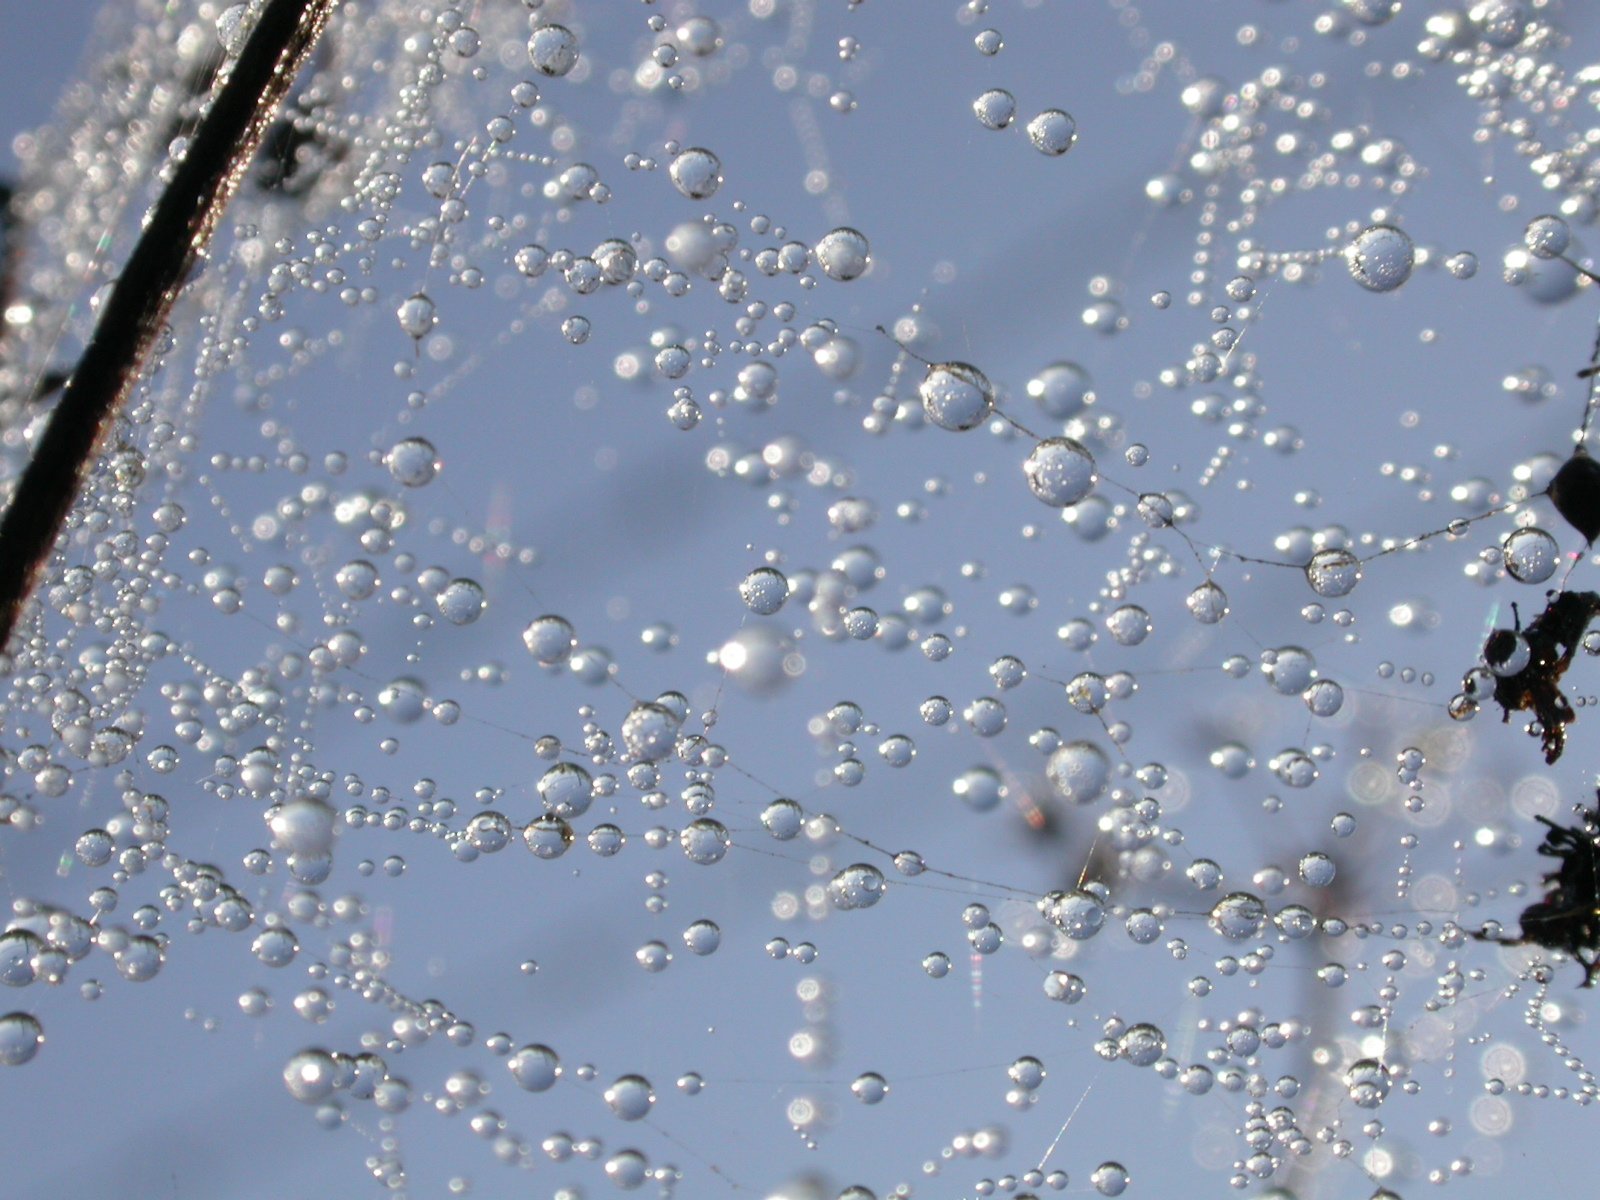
{"points": [[601, 446]]}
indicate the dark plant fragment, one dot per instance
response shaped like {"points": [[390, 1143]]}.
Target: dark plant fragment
{"points": [[1568, 918], [1527, 664]]}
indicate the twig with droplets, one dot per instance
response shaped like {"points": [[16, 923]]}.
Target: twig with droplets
{"points": [[178, 230]]}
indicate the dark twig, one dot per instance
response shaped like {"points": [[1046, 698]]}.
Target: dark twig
{"points": [[178, 230]]}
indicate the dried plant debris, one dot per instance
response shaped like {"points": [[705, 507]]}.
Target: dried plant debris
{"points": [[1525, 666], [1568, 918]]}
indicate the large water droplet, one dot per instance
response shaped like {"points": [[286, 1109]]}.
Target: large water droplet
{"points": [[1380, 258], [1053, 132], [1060, 471], [843, 254], [1531, 555], [1333, 573], [696, 172], [956, 395], [860, 885], [553, 49]]}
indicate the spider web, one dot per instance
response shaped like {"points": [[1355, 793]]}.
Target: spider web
{"points": [[478, 360]]}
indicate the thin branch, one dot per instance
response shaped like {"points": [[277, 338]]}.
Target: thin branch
{"points": [[176, 234]]}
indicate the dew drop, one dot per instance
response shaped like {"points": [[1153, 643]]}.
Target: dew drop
{"points": [[310, 1076], [843, 254], [1367, 1082], [461, 601], [1547, 237], [650, 731], [1323, 698], [696, 172], [1238, 916], [1333, 573], [1079, 771], [1060, 471], [416, 315], [869, 1087], [1530, 554], [783, 819], [1053, 132], [553, 49], [550, 639], [1110, 1179], [702, 937], [956, 396], [860, 885], [535, 1068], [764, 590], [704, 841], [1142, 1044], [1080, 914], [1380, 258], [1207, 603], [995, 108], [1317, 869], [413, 462], [630, 1097], [1062, 389], [547, 837]]}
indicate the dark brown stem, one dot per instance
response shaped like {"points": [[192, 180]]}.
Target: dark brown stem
{"points": [[178, 230]]}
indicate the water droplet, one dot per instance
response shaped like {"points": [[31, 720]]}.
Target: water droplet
{"points": [[1380, 258], [550, 639], [1547, 237], [1062, 390], [1324, 698], [1064, 987], [1371, 12], [869, 1087], [696, 172], [416, 315], [702, 937], [1238, 916], [1462, 265], [704, 841], [995, 109], [1530, 554], [553, 49], [1053, 132], [461, 601], [547, 837], [1129, 625], [1110, 1179], [413, 462], [1207, 603], [1060, 471], [1317, 869], [956, 396], [1142, 1044], [764, 590], [630, 1097], [1079, 771], [1333, 573], [843, 254], [1367, 1081], [535, 1068], [783, 819], [860, 885], [234, 24], [1079, 914], [650, 731]]}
